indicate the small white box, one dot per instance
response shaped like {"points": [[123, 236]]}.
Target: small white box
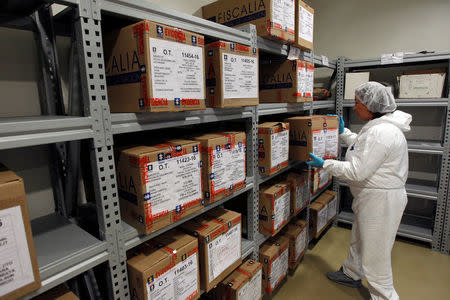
{"points": [[421, 85], [352, 81]]}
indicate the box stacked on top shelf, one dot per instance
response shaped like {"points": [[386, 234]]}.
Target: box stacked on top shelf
{"points": [[159, 184], [231, 75], [286, 81], [219, 239], [273, 147], [152, 67], [274, 255], [224, 162], [274, 211]]}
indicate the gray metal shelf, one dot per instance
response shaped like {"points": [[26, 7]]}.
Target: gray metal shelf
{"points": [[291, 164], [132, 238], [63, 251], [404, 230], [30, 131], [324, 104], [432, 102], [421, 147], [133, 122], [283, 108], [272, 47], [408, 59]]}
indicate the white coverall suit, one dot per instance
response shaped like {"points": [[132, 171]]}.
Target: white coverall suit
{"points": [[376, 168]]}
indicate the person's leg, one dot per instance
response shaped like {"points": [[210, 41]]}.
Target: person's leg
{"points": [[378, 219], [352, 267]]}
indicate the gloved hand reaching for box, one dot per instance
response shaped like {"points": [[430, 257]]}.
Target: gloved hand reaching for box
{"points": [[316, 162]]}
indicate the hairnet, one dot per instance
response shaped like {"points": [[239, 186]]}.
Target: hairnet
{"points": [[376, 97]]}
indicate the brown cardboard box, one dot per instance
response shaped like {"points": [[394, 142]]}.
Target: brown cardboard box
{"points": [[274, 255], [159, 184], [331, 132], [244, 283], [274, 20], [61, 292], [296, 233], [332, 204], [219, 239], [286, 81], [231, 75], [274, 211], [20, 273], [306, 136], [319, 179], [304, 25], [224, 161], [154, 68], [273, 147], [166, 266], [321, 214], [299, 191]]}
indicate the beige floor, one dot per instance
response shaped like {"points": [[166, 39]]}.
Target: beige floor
{"points": [[419, 273]]}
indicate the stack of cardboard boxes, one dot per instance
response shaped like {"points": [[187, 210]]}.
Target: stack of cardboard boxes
{"points": [[323, 211]]}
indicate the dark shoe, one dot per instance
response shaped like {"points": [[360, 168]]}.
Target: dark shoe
{"points": [[341, 278]]}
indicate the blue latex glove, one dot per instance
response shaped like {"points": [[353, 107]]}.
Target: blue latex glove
{"points": [[316, 162], [341, 123]]}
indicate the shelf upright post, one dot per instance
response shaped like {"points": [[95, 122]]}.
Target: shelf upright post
{"points": [[92, 73]]}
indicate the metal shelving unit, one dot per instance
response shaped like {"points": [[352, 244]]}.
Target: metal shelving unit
{"points": [[439, 234]]}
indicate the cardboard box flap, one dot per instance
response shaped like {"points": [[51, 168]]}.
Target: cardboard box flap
{"points": [[242, 274], [175, 239], [226, 216], [250, 266], [8, 176], [150, 255], [325, 198], [201, 226], [273, 246], [316, 206], [280, 187], [268, 125]]}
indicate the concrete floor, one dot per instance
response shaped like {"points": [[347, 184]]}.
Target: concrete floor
{"points": [[419, 273]]}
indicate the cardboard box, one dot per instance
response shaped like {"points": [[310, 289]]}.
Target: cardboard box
{"points": [[323, 211], [296, 233], [231, 75], [304, 25], [421, 85], [273, 147], [352, 81], [152, 67], [166, 268], [244, 283], [219, 239], [61, 292], [274, 207], [20, 273], [286, 81], [299, 191], [224, 161], [159, 184], [331, 132], [306, 136], [332, 204], [319, 179], [274, 19], [274, 255]]}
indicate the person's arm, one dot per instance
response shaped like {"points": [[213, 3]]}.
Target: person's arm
{"points": [[368, 155], [348, 137]]}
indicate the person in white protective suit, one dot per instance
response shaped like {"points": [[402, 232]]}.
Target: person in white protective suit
{"points": [[376, 169]]}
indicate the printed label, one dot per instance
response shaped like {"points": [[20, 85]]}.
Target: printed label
{"points": [[173, 182], [280, 148], [239, 76], [228, 167], [15, 268], [289, 15], [281, 210], [318, 138], [309, 82], [299, 196], [324, 177], [322, 218], [279, 268], [300, 243], [278, 13], [331, 142], [252, 289], [301, 80], [305, 25], [178, 283], [331, 209], [177, 70], [224, 251]]}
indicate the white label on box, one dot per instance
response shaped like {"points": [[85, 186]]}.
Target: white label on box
{"points": [[239, 76], [294, 53], [289, 15], [322, 218], [331, 142], [252, 289], [281, 209], [300, 243], [324, 178], [278, 13], [325, 61], [392, 58], [331, 209], [228, 167], [173, 182], [301, 80], [299, 196], [280, 148], [224, 251], [178, 283], [318, 139], [309, 82], [16, 270], [305, 25], [279, 268], [177, 70]]}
